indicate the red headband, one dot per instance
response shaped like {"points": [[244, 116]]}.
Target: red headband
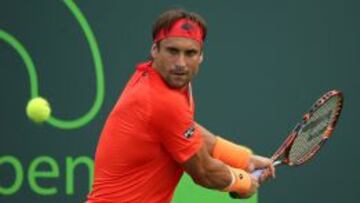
{"points": [[182, 28]]}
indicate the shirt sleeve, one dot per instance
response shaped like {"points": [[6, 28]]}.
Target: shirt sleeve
{"points": [[174, 124]]}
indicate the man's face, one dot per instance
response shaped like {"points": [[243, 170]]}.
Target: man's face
{"points": [[177, 60]]}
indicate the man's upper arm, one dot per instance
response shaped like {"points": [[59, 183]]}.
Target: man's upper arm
{"points": [[175, 127], [208, 137]]}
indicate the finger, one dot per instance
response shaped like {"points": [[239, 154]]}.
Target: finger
{"points": [[251, 167], [265, 162], [257, 185], [272, 171], [254, 187], [264, 175], [254, 181]]}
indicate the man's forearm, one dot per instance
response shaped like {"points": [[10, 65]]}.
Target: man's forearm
{"points": [[230, 153], [215, 174], [207, 171]]}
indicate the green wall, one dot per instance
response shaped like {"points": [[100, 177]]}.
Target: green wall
{"points": [[265, 63]]}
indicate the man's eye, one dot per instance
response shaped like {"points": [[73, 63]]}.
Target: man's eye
{"points": [[191, 53], [173, 51]]}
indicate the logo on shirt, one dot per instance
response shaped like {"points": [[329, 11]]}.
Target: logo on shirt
{"points": [[189, 132]]}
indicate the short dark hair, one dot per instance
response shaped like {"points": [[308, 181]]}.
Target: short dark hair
{"points": [[169, 17]]}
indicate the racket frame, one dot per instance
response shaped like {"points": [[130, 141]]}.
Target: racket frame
{"points": [[282, 154]]}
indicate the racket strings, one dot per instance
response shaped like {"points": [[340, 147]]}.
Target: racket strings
{"points": [[310, 135]]}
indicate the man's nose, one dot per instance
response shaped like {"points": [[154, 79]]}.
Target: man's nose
{"points": [[181, 62]]}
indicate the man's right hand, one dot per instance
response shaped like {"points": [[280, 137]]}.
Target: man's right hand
{"points": [[259, 162], [253, 189]]}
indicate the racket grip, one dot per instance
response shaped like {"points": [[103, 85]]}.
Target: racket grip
{"points": [[257, 173]]}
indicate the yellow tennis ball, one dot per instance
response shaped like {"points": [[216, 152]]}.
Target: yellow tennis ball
{"points": [[38, 110]]}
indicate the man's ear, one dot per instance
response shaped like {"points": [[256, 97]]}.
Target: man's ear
{"points": [[154, 50], [201, 57]]}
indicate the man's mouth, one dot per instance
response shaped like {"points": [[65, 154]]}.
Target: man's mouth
{"points": [[180, 74]]}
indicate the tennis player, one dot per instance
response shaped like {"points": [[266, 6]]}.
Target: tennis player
{"points": [[150, 138]]}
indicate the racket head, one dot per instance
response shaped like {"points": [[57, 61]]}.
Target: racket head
{"points": [[313, 131]]}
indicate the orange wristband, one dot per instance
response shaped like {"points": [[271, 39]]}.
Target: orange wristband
{"points": [[241, 182], [231, 154]]}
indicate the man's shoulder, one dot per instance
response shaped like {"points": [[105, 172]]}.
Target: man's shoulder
{"points": [[167, 96], [167, 101]]}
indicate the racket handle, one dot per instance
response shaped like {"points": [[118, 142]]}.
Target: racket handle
{"points": [[257, 173]]}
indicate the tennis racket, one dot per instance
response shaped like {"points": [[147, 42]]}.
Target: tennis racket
{"points": [[310, 134]]}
